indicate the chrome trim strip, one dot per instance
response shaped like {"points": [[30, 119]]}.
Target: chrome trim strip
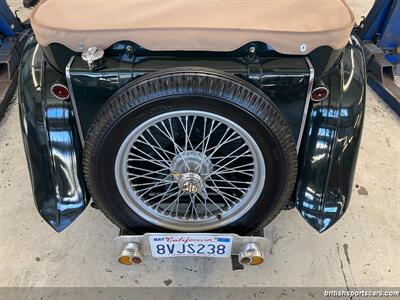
{"points": [[307, 104], [36, 84], [74, 107]]}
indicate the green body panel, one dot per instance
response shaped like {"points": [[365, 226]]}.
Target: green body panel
{"points": [[49, 133], [329, 145], [283, 79], [331, 142]]}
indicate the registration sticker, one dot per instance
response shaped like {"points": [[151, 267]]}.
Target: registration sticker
{"points": [[190, 245]]}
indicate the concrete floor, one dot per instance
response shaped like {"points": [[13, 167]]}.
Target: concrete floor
{"points": [[359, 251]]}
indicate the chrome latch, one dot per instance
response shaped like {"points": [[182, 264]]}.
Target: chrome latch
{"points": [[93, 57]]}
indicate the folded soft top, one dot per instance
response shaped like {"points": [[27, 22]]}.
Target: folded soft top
{"points": [[289, 26]]}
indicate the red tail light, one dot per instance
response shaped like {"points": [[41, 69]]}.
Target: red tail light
{"points": [[319, 93], [60, 91]]}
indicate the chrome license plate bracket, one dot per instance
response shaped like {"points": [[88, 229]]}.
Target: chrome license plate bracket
{"points": [[249, 250]]}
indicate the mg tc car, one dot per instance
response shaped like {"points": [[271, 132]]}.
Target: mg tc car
{"points": [[192, 124]]}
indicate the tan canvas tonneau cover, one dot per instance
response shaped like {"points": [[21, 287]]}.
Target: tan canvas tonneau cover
{"points": [[289, 26]]}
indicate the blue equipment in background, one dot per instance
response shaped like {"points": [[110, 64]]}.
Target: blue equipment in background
{"points": [[380, 32], [13, 36]]}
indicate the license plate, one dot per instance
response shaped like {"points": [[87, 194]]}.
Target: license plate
{"points": [[187, 245]]}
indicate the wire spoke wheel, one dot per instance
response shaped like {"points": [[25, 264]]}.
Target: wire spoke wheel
{"points": [[190, 170]]}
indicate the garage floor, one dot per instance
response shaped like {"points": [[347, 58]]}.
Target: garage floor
{"points": [[359, 251]]}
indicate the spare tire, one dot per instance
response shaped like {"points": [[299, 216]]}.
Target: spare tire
{"points": [[190, 150]]}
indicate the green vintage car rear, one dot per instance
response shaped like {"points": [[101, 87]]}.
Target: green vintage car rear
{"points": [[195, 117]]}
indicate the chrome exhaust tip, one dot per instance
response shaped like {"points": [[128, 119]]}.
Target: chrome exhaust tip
{"points": [[250, 254], [131, 254]]}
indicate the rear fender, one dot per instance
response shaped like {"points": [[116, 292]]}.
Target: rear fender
{"points": [[331, 142], [51, 142]]}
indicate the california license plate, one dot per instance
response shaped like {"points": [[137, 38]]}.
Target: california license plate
{"points": [[190, 245]]}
